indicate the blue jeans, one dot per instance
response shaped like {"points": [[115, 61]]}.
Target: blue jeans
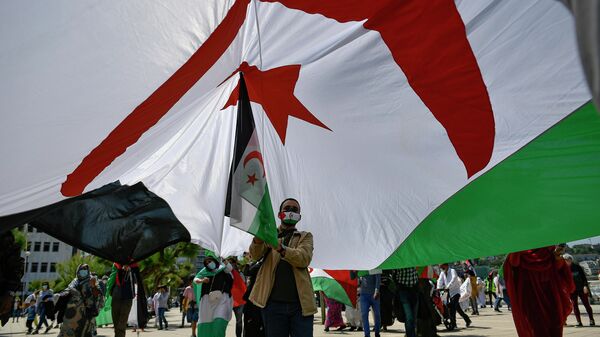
{"points": [[497, 302], [505, 298], [367, 301], [285, 319], [42, 320], [161, 318], [408, 298]]}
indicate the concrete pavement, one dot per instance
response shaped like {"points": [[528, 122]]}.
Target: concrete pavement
{"points": [[489, 323]]}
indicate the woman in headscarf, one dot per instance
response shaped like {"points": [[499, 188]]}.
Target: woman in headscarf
{"points": [[212, 287], [79, 304], [334, 315]]}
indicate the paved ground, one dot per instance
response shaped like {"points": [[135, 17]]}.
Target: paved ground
{"points": [[489, 323]]}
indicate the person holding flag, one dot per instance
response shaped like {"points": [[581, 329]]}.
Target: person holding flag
{"points": [[212, 287], [283, 287]]}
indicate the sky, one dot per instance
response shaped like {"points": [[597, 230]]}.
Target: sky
{"points": [[595, 240]]}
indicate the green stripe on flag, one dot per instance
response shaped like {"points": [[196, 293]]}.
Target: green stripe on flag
{"points": [[216, 328], [546, 193], [331, 288], [263, 225]]}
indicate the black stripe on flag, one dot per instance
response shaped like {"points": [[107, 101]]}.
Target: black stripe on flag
{"points": [[116, 222], [243, 132]]}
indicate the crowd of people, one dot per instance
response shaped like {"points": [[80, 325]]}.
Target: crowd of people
{"points": [[272, 295]]}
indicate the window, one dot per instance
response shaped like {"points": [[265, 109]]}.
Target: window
{"points": [[30, 228], [28, 246], [44, 267], [53, 267], [46, 246], [37, 246], [34, 267], [55, 246]]}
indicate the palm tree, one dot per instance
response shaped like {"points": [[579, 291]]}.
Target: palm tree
{"points": [[170, 267]]}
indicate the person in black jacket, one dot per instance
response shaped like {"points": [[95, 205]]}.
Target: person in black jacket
{"points": [[253, 323], [127, 280], [582, 290]]}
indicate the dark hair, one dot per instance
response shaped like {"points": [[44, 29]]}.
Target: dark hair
{"points": [[288, 199]]}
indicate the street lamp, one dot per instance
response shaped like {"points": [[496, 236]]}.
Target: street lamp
{"points": [[27, 253]]}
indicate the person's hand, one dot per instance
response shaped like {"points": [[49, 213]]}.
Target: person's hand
{"points": [[376, 295], [586, 290], [278, 247]]}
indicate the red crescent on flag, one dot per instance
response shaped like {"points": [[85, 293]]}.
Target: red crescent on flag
{"points": [[255, 155]]}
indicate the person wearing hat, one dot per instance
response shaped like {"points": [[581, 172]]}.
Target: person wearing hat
{"points": [[283, 288], [582, 290], [161, 299], [212, 288]]}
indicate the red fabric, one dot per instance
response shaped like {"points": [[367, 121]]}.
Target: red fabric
{"points": [[238, 290], [538, 285], [119, 266], [349, 285]]}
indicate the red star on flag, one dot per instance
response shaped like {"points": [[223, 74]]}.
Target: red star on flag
{"points": [[252, 179], [273, 89]]}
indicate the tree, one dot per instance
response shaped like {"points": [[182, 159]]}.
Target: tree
{"points": [[20, 238], [170, 267]]}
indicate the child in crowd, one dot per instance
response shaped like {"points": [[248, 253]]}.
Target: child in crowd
{"points": [[30, 316]]}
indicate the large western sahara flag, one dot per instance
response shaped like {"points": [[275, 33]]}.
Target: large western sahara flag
{"points": [[412, 132]]}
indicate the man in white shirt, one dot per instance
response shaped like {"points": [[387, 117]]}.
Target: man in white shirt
{"points": [[450, 282], [499, 293]]}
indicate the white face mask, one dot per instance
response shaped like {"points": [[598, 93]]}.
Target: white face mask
{"points": [[228, 267], [211, 265]]}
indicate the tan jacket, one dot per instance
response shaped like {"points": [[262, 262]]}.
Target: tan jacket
{"points": [[299, 254]]}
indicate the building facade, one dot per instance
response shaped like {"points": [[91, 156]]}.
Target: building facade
{"points": [[45, 253]]}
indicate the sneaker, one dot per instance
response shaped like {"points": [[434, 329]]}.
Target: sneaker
{"points": [[35, 332], [341, 328], [469, 323], [48, 329], [592, 323], [579, 325], [326, 329], [497, 310]]}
